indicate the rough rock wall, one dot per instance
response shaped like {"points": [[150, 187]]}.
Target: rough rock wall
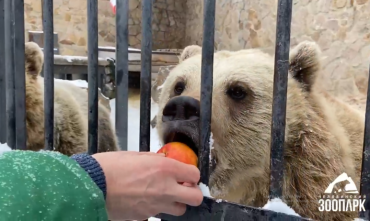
{"points": [[70, 22], [340, 27], [168, 23]]}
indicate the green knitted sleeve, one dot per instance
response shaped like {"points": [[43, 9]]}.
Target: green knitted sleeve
{"points": [[47, 186]]}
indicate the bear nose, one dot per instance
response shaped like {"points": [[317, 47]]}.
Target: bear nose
{"points": [[181, 108]]}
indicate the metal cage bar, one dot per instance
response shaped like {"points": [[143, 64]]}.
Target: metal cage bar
{"points": [[9, 69], [206, 88], [122, 17], [92, 24], [146, 75], [20, 83], [208, 209], [365, 168], [3, 123], [48, 26], [281, 67]]}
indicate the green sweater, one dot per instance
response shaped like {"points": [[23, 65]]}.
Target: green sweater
{"points": [[44, 185]]}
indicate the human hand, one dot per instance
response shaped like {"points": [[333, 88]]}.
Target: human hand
{"points": [[144, 184]]}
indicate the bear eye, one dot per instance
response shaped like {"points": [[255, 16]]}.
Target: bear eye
{"points": [[236, 93], [179, 88]]}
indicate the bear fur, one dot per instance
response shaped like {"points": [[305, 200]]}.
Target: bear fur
{"points": [[70, 112], [323, 137]]}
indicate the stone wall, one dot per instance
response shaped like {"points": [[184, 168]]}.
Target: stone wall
{"points": [[168, 24], [340, 27], [70, 22]]}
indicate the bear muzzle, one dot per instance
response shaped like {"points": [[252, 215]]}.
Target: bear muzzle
{"points": [[180, 121]]}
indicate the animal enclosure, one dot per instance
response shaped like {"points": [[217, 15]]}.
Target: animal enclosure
{"points": [[13, 114]]}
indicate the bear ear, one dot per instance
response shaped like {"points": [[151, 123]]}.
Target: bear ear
{"points": [[305, 63], [190, 51], [34, 59]]}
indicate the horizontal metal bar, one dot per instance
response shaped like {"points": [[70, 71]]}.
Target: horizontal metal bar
{"points": [[146, 75], [92, 24], [212, 209], [48, 27], [206, 88], [282, 45], [121, 78]]}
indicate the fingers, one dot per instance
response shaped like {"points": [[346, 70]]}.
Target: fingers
{"points": [[144, 153], [151, 154], [175, 209], [188, 184], [185, 173], [188, 195]]}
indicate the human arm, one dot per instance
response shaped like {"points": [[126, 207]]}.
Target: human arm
{"points": [[142, 184]]}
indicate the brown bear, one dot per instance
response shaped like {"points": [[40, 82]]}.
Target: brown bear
{"points": [[70, 112], [323, 136]]}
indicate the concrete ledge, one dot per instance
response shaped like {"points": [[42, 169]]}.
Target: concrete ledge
{"points": [[76, 60]]}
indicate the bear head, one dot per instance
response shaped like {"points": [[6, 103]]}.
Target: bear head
{"points": [[241, 109]]}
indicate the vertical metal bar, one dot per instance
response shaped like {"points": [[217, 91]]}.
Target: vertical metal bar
{"points": [[206, 88], [146, 75], [122, 16], [92, 26], [365, 170], [284, 14], [2, 77], [9, 69], [20, 83], [48, 27]]}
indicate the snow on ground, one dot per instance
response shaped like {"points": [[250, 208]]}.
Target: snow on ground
{"points": [[279, 206], [114, 48], [134, 124], [4, 148], [78, 83]]}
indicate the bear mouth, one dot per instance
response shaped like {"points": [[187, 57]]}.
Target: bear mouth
{"points": [[182, 137]]}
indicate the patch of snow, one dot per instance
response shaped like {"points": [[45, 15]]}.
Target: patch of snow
{"points": [[72, 58], [278, 205], [359, 219], [134, 124], [211, 141], [4, 148], [114, 48], [69, 59], [78, 82], [40, 32], [205, 190]]}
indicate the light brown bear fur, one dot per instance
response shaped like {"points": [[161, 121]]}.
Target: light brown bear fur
{"points": [[324, 136], [70, 112]]}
